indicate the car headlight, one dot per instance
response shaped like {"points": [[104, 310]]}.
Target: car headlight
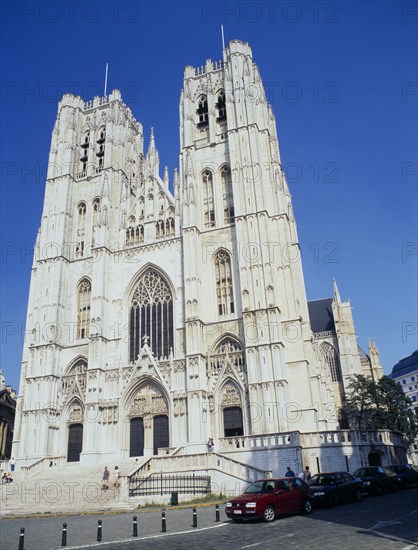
{"points": [[319, 494], [228, 504], [251, 505]]}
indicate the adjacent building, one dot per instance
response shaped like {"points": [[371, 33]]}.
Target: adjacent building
{"points": [[7, 418], [405, 373]]}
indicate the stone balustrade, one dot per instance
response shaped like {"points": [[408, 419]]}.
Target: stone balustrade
{"points": [[350, 437], [251, 442], [201, 462]]}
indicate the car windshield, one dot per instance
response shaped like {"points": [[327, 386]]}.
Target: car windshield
{"points": [[322, 479], [260, 487], [366, 472]]}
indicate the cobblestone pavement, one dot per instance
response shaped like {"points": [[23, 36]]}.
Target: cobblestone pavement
{"points": [[386, 522]]}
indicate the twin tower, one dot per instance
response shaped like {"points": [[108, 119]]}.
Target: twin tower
{"points": [[163, 314]]}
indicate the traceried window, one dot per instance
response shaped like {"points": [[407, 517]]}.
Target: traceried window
{"points": [[83, 308], [80, 367], [330, 358], [208, 206], [151, 316], [228, 198], [224, 290], [81, 229], [202, 111], [221, 106], [228, 351], [78, 372]]}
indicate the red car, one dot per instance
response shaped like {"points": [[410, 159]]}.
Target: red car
{"points": [[268, 498]]}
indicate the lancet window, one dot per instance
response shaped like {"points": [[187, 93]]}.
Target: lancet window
{"points": [[202, 111], [224, 289], [208, 204], [330, 357], [101, 147], [85, 153], [228, 198], [81, 229], [221, 106], [83, 308]]}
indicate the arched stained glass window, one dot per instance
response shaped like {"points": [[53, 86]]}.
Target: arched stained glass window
{"points": [[330, 358], [151, 316], [224, 290]]}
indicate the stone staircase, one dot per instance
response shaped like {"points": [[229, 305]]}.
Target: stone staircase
{"points": [[50, 487], [69, 488]]}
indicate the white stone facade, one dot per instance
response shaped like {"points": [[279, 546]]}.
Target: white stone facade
{"points": [[158, 320]]}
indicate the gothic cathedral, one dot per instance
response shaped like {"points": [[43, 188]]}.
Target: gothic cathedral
{"points": [[163, 315]]}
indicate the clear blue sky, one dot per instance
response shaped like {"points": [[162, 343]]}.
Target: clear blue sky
{"points": [[341, 77]]}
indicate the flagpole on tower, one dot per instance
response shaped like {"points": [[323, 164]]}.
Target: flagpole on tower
{"points": [[105, 86], [223, 38]]}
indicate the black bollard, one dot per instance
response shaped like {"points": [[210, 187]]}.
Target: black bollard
{"points": [[22, 538], [217, 517], [135, 527], [163, 524], [99, 530], [194, 517], [64, 535]]}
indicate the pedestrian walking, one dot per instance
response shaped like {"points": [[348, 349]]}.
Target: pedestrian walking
{"points": [[210, 444], [105, 479], [305, 474], [117, 477], [12, 464], [289, 472]]}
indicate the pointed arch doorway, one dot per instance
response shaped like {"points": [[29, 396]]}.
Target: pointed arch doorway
{"points": [[149, 421]]}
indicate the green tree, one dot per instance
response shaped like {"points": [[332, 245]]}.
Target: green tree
{"points": [[393, 409], [359, 403], [382, 405]]}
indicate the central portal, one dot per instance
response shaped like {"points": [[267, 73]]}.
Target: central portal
{"points": [[149, 424]]}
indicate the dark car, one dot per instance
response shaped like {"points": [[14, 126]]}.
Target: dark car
{"points": [[377, 479], [268, 498], [331, 488], [407, 473]]}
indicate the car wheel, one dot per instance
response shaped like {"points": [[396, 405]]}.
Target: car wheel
{"points": [[359, 495], [378, 490], [332, 501], [269, 514], [396, 487], [307, 507]]}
